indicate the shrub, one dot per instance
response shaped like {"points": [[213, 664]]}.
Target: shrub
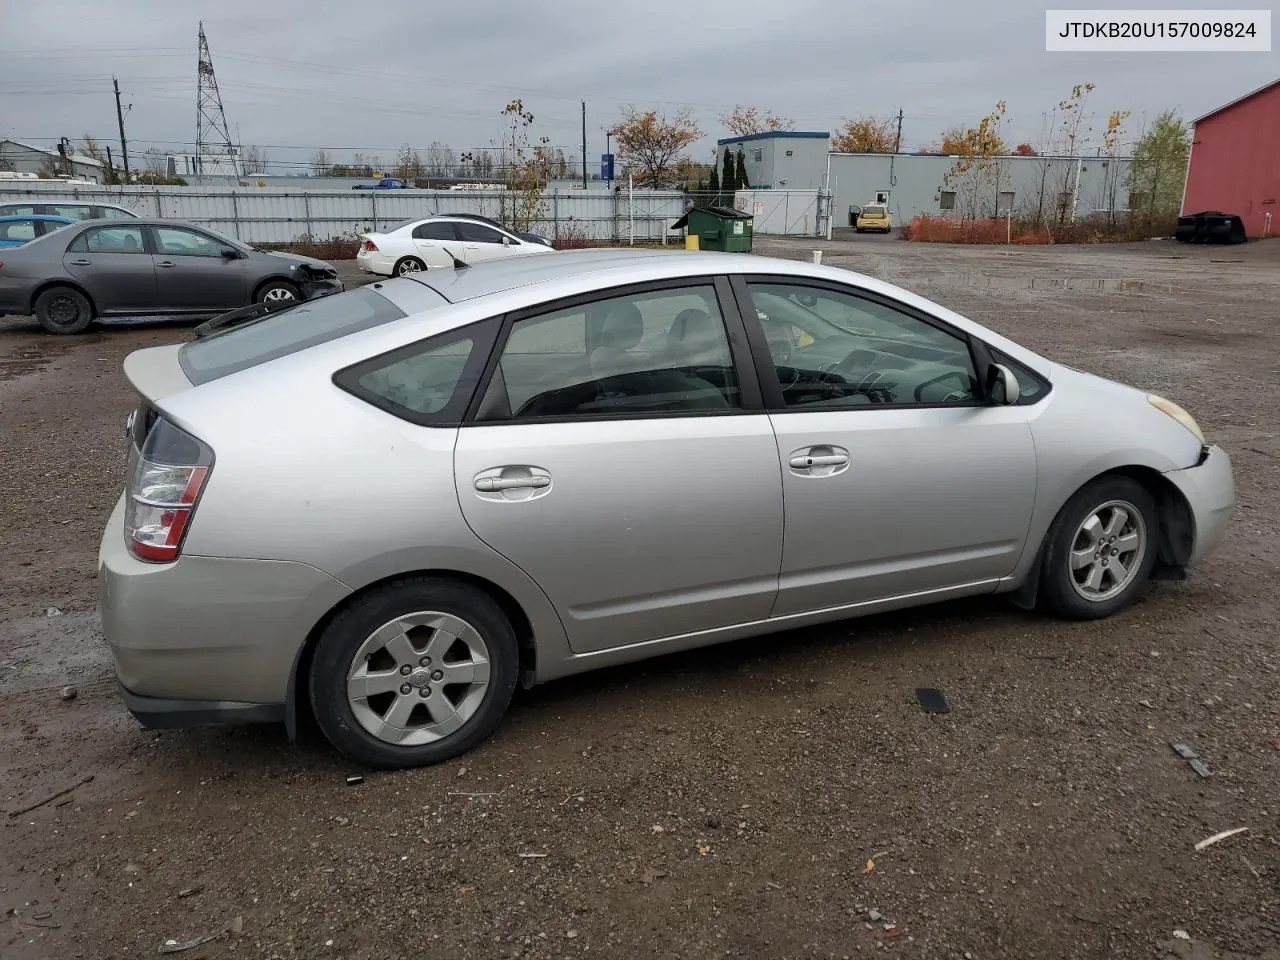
{"points": [[569, 237]]}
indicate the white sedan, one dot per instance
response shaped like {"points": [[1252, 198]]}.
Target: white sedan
{"points": [[417, 245]]}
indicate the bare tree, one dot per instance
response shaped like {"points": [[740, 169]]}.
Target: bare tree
{"points": [[253, 161], [156, 162], [320, 165]]}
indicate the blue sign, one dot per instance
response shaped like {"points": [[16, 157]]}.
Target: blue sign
{"points": [[606, 166]]}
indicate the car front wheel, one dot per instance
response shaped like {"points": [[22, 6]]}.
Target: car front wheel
{"points": [[275, 291], [1100, 549], [414, 673]]}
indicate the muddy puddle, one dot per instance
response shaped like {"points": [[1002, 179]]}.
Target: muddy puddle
{"points": [[20, 359]]}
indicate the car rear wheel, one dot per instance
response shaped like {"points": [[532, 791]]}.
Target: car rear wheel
{"points": [[63, 310], [275, 291], [1100, 549], [414, 673], [408, 265]]}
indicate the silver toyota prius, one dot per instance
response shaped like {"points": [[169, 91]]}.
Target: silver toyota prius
{"points": [[388, 507]]}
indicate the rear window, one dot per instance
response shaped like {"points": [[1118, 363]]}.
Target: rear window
{"points": [[873, 211], [279, 334]]}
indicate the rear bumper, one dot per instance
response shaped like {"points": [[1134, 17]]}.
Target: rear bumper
{"points": [[206, 636], [158, 713], [1209, 489], [378, 264]]}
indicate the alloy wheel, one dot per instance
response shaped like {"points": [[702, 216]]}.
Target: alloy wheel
{"points": [[418, 678], [1107, 550]]}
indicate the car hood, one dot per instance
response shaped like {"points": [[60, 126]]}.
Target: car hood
{"points": [[297, 258]]}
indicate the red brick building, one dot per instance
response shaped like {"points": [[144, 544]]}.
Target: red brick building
{"points": [[1235, 162]]}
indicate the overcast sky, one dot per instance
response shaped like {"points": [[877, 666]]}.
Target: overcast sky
{"points": [[297, 75]]}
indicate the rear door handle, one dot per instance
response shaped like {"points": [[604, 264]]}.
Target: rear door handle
{"points": [[82, 263], [493, 484], [166, 263]]}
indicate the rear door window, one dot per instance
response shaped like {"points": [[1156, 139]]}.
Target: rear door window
{"points": [[478, 233], [71, 211], [438, 230], [288, 331], [21, 230]]}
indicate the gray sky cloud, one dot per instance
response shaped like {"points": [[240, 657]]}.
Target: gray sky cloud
{"points": [[297, 75]]}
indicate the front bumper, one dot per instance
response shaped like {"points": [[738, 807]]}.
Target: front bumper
{"points": [[206, 637], [1210, 492], [320, 287]]}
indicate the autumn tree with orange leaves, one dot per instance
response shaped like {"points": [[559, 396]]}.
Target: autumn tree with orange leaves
{"points": [[865, 135], [746, 121], [654, 144]]}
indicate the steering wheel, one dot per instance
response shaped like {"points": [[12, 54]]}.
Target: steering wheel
{"points": [[855, 366], [780, 350]]}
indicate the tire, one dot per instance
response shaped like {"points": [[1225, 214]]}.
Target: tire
{"points": [[63, 310], [387, 634], [408, 265], [1066, 581], [276, 290]]}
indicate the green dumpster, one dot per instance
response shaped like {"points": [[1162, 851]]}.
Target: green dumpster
{"points": [[718, 228]]}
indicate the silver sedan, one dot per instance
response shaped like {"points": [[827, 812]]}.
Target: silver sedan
{"points": [[388, 507]]}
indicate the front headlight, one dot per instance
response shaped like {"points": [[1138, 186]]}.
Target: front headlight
{"points": [[1175, 411]]}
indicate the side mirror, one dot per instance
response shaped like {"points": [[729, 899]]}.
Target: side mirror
{"points": [[231, 253], [1002, 385], [506, 241]]}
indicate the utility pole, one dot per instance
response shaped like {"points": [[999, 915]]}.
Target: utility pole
{"points": [[897, 141], [584, 144], [124, 147], [111, 167]]}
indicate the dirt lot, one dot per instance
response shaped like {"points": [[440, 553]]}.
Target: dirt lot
{"points": [[777, 798]]}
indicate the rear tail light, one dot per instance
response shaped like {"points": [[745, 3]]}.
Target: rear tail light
{"points": [[166, 479], [370, 247]]}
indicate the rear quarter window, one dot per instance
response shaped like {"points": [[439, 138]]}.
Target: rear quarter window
{"points": [[276, 335]]}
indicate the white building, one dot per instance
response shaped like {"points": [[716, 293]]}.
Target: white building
{"points": [[19, 157]]}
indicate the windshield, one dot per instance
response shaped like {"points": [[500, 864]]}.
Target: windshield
{"points": [[284, 332]]}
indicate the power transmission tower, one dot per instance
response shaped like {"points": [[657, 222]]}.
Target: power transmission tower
{"points": [[213, 139]]}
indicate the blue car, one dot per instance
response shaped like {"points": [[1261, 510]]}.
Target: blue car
{"points": [[17, 230]]}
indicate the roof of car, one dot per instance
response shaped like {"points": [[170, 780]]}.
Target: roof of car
{"points": [[35, 216], [494, 276]]}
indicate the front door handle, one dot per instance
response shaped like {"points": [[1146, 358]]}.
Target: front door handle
{"points": [[822, 460], [166, 263], [807, 460], [494, 484]]}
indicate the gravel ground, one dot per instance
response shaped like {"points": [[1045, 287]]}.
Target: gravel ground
{"points": [[774, 798]]}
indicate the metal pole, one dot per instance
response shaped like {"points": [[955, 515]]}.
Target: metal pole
{"points": [[373, 202], [631, 210], [555, 213], [235, 213], [1186, 176], [584, 145], [306, 208], [124, 147]]}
